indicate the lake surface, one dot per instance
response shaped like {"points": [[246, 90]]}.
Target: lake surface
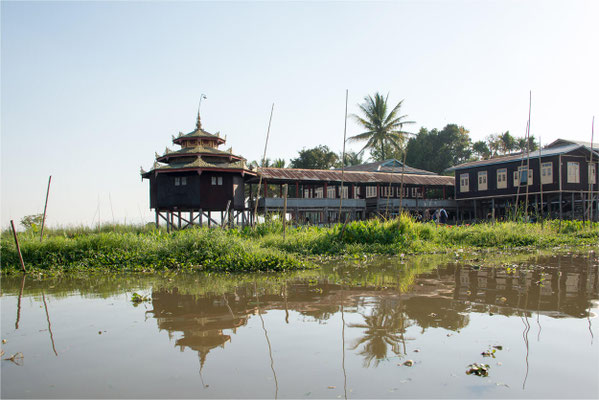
{"points": [[344, 331]]}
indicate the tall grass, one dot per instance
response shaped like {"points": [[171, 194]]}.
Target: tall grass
{"points": [[203, 249], [138, 248]]}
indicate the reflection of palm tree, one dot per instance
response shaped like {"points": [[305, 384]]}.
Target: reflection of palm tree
{"points": [[384, 329]]}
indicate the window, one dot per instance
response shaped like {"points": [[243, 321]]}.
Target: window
{"points": [[344, 192], [318, 193], [183, 180], [213, 180], [592, 174], [573, 172], [502, 178], [546, 173], [217, 180], [521, 177], [356, 192], [482, 180], [464, 183], [306, 193], [416, 192], [220, 181], [331, 193], [177, 181], [370, 191]]}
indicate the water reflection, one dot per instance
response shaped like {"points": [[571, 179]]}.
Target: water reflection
{"points": [[349, 325], [388, 303]]}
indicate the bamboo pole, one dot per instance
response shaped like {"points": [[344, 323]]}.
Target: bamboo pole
{"points": [[14, 232], [528, 157], [263, 161], [541, 178], [343, 158], [45, 208], [591, 184], [285, 189], [403, 173], [516, 207]]}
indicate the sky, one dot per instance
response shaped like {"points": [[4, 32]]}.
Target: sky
{"points": [[90, 91]]}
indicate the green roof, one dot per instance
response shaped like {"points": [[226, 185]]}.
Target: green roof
{"points": [[198, 150], [198, 163]]}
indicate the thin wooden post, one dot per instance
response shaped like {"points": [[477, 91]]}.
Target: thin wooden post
{"points": [[285, 189], [528, 157], [591, 165], [541, 178], [263, 161], [343, 157], [45, 208], [14, 232]]}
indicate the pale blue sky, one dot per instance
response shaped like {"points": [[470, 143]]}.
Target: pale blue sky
{"points": [[90, 90]]}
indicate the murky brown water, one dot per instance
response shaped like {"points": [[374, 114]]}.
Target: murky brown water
{"points": [[342, 332]]}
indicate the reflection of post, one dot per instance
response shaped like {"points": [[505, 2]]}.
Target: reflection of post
{"points": [[19, 302], [343, 344], [272, 362], [49, 325], [589, 280], [525, 337], [286, 307]]}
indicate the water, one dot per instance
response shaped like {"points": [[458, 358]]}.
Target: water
{"points": [[341, 332]]}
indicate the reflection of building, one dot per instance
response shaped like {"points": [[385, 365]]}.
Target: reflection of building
{"points": [[202, 320], [443, 298]]}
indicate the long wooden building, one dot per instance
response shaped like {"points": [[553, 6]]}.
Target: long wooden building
{"points": [[557, 181], [361, 191]]}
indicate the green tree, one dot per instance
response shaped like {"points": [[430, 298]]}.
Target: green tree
{"points": [[532, 144], [438, 150], [351, 158], [319, 157], [384, 127], [507, 142], [278, 163], [481, 149], [32, 222]]}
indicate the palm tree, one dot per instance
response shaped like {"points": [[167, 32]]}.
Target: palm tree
{"points": [[383, 127]]}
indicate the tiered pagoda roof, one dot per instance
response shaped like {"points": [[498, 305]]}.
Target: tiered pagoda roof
{"points": [[199, 151]]}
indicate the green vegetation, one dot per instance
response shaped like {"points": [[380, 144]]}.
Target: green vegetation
{"points": [[140, 249], [131, 248]]}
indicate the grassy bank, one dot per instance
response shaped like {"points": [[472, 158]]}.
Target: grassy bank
{"points": [[404, 235], [137, 248], [142, 249]]}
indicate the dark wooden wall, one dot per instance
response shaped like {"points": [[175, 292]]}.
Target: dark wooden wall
{"points": [[197, 193], [511, 167]]}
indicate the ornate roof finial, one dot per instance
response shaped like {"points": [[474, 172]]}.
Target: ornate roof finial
{"points": [[199, 121]]}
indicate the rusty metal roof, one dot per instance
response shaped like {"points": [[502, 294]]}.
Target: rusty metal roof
{"points": [[545, 152], [320, 175], [389, 165]]}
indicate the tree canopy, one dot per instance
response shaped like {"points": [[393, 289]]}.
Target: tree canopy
{"points": [[319, 157], [436, 150], [384, 127]]}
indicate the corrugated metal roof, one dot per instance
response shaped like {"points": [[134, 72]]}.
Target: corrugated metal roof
{"points": [[390, 165], [545, 152], [312, 175]]}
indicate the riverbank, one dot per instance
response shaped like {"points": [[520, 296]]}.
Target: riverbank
{"points": [[135, 248]]}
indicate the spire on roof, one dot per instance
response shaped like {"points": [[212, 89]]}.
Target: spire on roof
{"points": [[199, 121]]}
